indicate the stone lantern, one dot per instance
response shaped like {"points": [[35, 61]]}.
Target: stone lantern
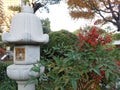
{"points": [[27, 35]]}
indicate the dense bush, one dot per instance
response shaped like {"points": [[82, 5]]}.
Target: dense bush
{"points": [[8, 85], [61, 43], [62, 37], [117, 54], [90, 65], [116, 36], [3, 74], [58, 45], [5, 82]]}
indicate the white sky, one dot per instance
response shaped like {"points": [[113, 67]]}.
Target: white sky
{"points": [[60, 19]]}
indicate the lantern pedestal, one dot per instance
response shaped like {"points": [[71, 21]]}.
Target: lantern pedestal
{"points": [[22, 86], [22, 73]]}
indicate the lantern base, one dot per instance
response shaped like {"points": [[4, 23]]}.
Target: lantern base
{"points": [[22, 86], [20, 72]]}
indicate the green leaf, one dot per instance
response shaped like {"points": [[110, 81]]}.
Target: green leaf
{"points": [[32, 80], [61, 70], [35, 68], [97, 71], [107, 74], [62, 88], [74, 84]]}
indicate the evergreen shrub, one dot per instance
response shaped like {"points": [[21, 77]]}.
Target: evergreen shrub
{"points": [[62, 37], [5, 82], [60, 42], [3, 67], [116, 36]]}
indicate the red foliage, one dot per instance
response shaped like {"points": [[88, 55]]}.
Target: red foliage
{"points": [[118, 63], [94, 38], [102, 72], [2, 51]]}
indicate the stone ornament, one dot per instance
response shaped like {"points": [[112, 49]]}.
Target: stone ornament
{"points": [[26, 34], [25, 28]]}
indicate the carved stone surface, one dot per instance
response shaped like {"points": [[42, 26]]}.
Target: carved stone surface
{"points": [[18, 72], [21, 86], [25, 28], [22, 72]]}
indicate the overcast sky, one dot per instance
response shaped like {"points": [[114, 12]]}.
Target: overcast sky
{"points": [[60, 18]]}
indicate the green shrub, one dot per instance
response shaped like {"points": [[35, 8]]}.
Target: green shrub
{"points": [[116, 36], [5, 82], [62, 37], [87, 66], [8, 84], [60, 42], [3, 74], [117, 54]]}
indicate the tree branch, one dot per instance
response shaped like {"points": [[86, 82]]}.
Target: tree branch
{"points": [[112, 11], [106, 20]]}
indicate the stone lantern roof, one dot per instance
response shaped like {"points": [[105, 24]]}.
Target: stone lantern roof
{"points": [[25, 28]]}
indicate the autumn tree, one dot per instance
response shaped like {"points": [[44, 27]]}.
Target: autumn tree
{"points": [[1, 12], [40, 3], [108, 10]]}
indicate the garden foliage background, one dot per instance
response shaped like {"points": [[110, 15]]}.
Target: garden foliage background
{"points": [[86, 61]]}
